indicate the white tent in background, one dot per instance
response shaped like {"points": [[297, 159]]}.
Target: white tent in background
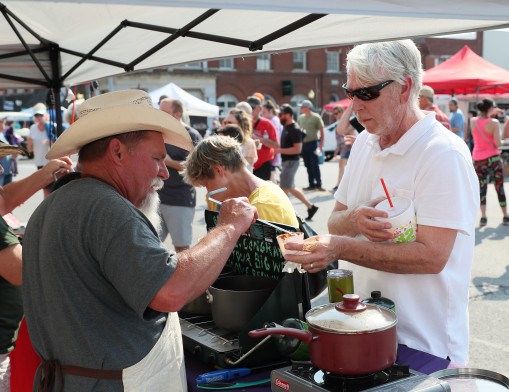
{"points": [[194, 106]]}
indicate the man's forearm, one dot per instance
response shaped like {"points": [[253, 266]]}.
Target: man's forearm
{"points": [[340, 225], [17, 192], [406, 258]]}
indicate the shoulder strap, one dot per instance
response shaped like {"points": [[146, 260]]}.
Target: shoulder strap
{"points": [[483, 133]]}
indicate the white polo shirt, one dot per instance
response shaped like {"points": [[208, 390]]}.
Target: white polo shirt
{"points": [[433, 167]]}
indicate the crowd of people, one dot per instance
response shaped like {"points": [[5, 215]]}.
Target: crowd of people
{"points": [[484, 131], [100, 290]]}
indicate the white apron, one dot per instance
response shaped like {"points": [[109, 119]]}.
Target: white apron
{"points": [[163, 368]]}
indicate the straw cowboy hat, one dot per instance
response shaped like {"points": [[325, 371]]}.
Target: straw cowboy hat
{"points": [[7, 149], [115, 113]]}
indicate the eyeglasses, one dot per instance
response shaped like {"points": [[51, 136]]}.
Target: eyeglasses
{"points": [[366, 93], [336, 113]]}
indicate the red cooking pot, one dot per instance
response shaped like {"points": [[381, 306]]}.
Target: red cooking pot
{"points": [[347, 338]]}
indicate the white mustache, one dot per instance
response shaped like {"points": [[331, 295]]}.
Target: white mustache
{"points": [[157, 184]]}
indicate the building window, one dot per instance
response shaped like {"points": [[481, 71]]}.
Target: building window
{"points": [[334, 98], [225, 103], [263, 62], [195, 65], [441, 59], [226, 64], [332, 62], [299, 61]]}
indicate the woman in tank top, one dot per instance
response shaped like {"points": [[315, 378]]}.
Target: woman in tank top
{"points": [[486, 156]]}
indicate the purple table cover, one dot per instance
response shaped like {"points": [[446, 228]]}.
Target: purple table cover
{"points": [[417, 360]]}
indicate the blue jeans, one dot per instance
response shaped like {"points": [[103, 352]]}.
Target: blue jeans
{"points": [[311, 163]]}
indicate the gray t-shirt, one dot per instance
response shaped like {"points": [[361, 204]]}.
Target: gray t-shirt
{"points": [[92, 263]]}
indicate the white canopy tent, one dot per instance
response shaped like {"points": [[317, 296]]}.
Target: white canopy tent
{"points": [[63, 42], [193, 105]]}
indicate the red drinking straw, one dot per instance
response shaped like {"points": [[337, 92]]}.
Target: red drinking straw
{"points": [[386, 192]]}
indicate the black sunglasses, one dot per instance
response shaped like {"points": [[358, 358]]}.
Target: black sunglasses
{"points": [[366, 93]]}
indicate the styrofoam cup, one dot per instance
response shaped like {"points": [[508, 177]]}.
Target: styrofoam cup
{"points": [[401, 217], [283, 239]]}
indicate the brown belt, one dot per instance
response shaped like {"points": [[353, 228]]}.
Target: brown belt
{"points": [[50, 375]]}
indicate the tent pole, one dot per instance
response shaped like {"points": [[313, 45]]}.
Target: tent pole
{"points": [[56, 83]]}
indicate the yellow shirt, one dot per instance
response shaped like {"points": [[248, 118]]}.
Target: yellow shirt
{"points": [[273, 204]]}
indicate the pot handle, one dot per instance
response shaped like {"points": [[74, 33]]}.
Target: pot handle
{"points": [[209, 296], [303, 335]]}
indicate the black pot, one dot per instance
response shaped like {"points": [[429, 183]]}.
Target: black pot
{"points": [[200, 306], [236, 299]]}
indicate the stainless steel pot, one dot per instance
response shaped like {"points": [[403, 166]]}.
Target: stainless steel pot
{"points": [[468, 379], [236, 299]]}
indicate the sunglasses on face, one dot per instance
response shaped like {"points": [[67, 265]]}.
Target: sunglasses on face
{"points": [[366, 93]]}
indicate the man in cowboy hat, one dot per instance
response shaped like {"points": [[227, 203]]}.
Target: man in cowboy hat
{"points": [[11, 309], [100, 290]]}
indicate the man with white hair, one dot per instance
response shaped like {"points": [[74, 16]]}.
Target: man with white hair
{"points": [[419, 159], [100, 290]]}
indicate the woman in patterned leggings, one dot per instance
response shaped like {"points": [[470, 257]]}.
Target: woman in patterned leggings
{"points": [[486, 156]]}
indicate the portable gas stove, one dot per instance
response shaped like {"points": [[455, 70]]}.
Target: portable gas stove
{"points": [[224, 349], [208, 343], [302, 377]]}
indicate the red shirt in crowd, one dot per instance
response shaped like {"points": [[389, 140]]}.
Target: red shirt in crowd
{"points": [[264, 128]]}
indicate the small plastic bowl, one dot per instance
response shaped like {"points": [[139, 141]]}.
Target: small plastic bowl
{"points": [[297, 237]]}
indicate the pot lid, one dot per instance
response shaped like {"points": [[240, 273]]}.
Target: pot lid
{"points": [[470, 379], [351, 316]]}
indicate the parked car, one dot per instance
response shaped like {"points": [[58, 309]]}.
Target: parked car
{"points": [[330, 142]]}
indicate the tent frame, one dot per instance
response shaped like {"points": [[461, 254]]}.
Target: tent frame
{"points": [[56, 80]]}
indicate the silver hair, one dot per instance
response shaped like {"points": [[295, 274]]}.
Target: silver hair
{"points": [[214, 150], [376, 62]]}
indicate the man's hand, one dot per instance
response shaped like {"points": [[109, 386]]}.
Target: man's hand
{"points": [[238, 213], [323, 250], [364, 217], [56, 168]]}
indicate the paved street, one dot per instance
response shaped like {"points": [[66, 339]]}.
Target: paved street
{"points": [[489, 289]]}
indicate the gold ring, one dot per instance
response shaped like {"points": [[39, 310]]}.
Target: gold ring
{"points": [[311, 265]]}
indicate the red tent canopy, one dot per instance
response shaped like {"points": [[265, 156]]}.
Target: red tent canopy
{"points": [[467, 73], [344, 102]]}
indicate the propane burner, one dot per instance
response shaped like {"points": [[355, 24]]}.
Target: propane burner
{"points": [[339, 382], [302, 376]]}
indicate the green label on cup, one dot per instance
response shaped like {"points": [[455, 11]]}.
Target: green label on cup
{"points": [[405, 233]]}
